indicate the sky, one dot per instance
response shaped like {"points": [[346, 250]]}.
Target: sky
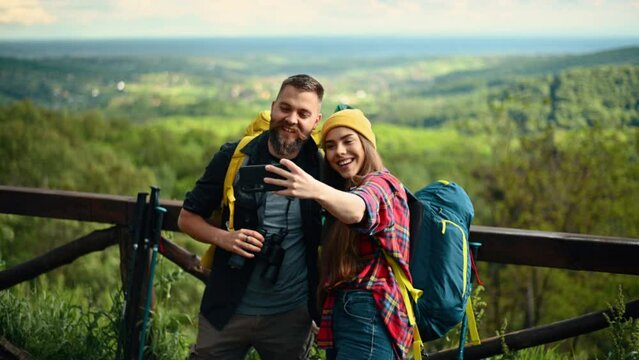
{"points": [[91, 19]]}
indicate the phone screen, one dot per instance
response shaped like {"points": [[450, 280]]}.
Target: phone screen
{"points": [[251, 178]]}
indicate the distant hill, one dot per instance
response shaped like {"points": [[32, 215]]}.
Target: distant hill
{"points": [[600, 88], [306, 48], [462, 91], [543, 65]]}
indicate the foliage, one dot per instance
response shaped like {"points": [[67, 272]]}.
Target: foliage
{"points": [[554, 180], [55, 324], [41, 149], [604, 96], [419, 156], [49, 325], [623, 331], [168, 331], [578, 181]]}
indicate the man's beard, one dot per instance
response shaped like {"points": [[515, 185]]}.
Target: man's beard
{"points": [[285, 148]]}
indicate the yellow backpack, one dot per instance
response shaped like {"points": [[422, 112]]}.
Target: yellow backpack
{"points": [[256, 127]]}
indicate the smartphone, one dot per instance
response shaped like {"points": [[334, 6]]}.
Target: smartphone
{"points": [[251, 178]]}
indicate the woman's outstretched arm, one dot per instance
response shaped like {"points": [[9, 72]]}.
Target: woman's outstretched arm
{"points": [[346, 207]]}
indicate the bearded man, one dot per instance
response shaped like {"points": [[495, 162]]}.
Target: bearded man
{"points": [[241, 308]]}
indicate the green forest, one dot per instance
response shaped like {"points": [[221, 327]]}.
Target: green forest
{"points": [[545, 143]]}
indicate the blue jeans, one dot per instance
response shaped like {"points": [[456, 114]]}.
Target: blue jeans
{"points": [[358, 330]]}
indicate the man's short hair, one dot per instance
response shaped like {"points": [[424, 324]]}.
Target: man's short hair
{"points": [[304, 82]]}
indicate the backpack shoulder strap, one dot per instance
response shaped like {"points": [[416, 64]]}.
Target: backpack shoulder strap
{"points": [[228, 196], [410, 296], [472, 323]]}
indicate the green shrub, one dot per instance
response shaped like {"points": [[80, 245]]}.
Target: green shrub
{"points": [[52, 325], [623, 332]]}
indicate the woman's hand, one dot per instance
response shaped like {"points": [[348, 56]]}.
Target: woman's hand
{"points": [[346, 207], [297, 182]]}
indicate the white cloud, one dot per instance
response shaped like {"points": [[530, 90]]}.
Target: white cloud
{"points": [[24, 12], [329, 17], [416, 17], [292, 17], [152, 9]]}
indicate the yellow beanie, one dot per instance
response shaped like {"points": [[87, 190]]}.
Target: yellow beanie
{"points": [[350, 118]]}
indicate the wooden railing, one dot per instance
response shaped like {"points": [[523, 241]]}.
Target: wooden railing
{"points": [[498, 245]]}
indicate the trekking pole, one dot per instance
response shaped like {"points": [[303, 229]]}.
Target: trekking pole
{"points": [[462, 336], [155, 239], [135, 231]]}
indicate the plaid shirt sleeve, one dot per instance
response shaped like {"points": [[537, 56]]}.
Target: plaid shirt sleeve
{"points": [[387, 215], [384, 225]]}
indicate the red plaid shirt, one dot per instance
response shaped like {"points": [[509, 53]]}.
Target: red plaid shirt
{"points": [[385, 224]]}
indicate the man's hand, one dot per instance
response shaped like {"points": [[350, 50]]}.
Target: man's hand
{"points": [[243, 242]]}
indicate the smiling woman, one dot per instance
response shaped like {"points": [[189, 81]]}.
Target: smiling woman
{"points": [[367, 209], [345, 151], [350, 144]]}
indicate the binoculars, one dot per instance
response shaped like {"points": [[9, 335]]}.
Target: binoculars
{"points": [[271, 252]]}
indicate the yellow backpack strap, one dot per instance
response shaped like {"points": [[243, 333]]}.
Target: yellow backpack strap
{"points": [[408, 293], [472, 324], [228, 196]]}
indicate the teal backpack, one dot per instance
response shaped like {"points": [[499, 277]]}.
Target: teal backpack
{"points": [[440, 261], [440, 264]]}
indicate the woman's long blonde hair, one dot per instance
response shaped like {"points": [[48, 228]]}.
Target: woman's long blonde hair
{"points": [[339, 259]]}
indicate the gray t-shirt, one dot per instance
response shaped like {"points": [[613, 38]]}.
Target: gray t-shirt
{"points": [[290, 290]]}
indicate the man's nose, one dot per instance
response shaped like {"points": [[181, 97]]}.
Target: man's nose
{"points": [[292, 119]]}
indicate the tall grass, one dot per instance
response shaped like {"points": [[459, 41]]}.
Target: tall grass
{"points": [[623, 332], [52, 324]]}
